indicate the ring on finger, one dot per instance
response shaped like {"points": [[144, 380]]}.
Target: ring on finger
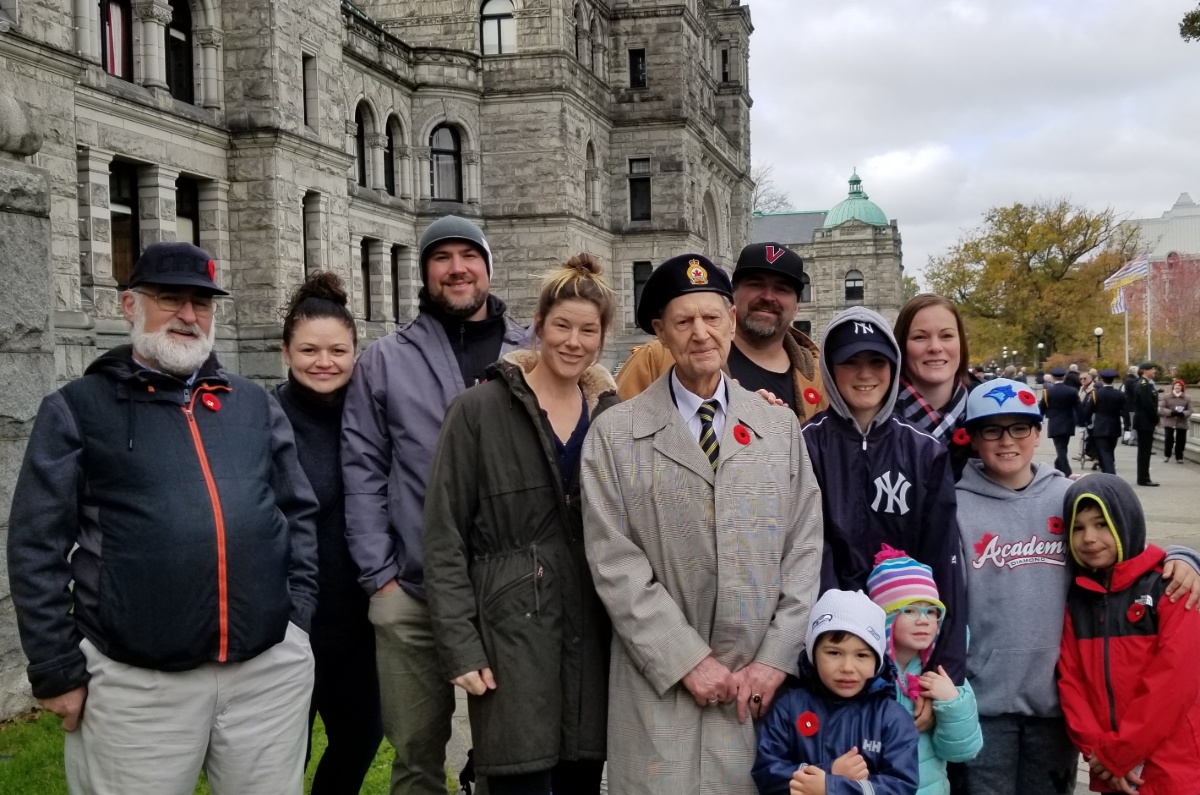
{"points": [[756, 698]]}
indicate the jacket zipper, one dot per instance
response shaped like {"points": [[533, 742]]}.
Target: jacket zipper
{"points": [[1108, 689], [219, 520]]}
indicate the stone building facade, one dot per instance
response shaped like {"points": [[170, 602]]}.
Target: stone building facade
{"points": [[852, 257], [290, 135]]}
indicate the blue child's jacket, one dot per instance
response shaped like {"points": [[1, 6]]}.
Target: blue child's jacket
{"points": [[873, 721]]}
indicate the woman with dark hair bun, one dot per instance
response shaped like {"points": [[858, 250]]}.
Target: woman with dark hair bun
{"points": [[516, 618], [319, 342]]}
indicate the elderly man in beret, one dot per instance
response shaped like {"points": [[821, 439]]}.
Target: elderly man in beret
{"points": [[702, 525], [163, 558]]}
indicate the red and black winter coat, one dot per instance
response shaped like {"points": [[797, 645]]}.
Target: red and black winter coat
{"points": [[1128, 678]]}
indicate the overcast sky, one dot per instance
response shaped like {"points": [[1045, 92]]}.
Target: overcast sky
{"points": [[949, 108]]}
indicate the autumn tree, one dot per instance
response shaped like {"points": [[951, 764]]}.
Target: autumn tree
{"points": [[909, 288], [767, 197], [1034, 273], [1189, 28]]}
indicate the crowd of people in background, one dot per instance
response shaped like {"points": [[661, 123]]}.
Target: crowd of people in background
{"points": [[747, 564]]}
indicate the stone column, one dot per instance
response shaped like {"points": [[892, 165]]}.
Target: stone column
{"points": [[592, 191], [471, 177], [376, 143], [422, 175], [95, 234], [154, 16], [379, 265], [156, 204], [404, 175], [86, 19], [209, 40], [26, 343]]}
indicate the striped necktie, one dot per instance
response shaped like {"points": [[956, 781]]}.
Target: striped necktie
{"points": [[708, 437]]}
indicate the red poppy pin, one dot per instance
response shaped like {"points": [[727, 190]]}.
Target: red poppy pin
{"points": [[210, 402], [1055, 525], [1026, 397], [807, 724], [961, 437], [812, 396], [741, 434], [212, 270], [1135, 612]]}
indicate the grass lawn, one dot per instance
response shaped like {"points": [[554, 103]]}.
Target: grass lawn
{"points": [[31, 759]]}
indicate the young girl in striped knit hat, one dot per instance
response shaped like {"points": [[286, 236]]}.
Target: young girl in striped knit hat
{"points": [[908, 595]]}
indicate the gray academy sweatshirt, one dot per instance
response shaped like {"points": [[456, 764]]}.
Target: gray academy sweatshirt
{"points": [[1017, 580]]}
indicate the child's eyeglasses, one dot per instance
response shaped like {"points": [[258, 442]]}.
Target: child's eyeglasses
{"points": [[914, 612], [993, 433]]}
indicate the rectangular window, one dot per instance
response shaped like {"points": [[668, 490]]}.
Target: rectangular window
{"points": [[641, 274], [724, 65], [365, 255], [122, 206], [116, 22], [187, 211], [637, 68], [310, 229], [308, 71], [803, 326], [179, 66], [396, 283], [639, 189]]}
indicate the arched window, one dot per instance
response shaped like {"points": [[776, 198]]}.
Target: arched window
{"points": [[805, 289], [581, 45], [497, 27], [594, 35], [854, 286], [116, 23], [179, 52], [591, 182], [360, 143], [445, 164], [389, 157]]}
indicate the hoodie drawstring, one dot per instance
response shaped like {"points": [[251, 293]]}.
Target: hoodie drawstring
{"points": [[129, 413]]}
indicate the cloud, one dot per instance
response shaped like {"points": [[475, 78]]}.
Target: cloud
{"points": [[950, 107]]}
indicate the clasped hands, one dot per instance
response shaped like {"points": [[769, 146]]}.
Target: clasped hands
{"points": [[810, 779], [752, 687]]}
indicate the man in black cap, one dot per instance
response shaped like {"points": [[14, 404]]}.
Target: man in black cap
{"points": [[702, 529], [1104, 408], [767, 353], [183, 643], [1145, 419], [1060, 406]]}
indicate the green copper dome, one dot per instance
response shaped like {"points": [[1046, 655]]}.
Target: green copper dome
{"points": [[856, 205]]}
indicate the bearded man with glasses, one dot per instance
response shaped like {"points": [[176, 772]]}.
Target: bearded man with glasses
{"points": [[162, 555]]}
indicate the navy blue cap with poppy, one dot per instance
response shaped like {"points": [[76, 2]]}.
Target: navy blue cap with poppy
{"points": [[687, 273], [176, 265]]}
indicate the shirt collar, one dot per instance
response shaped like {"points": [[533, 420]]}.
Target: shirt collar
{"points": [[689, 402]]}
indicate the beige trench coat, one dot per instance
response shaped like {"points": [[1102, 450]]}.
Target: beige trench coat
{"points": [[690, 562]]}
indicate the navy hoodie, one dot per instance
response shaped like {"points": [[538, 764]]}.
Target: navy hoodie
{"points": [[888, 484], [810, 725]]}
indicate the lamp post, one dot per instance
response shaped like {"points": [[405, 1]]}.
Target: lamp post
{"points": [[1004, 356], [1099, 332], [1041, 346]]}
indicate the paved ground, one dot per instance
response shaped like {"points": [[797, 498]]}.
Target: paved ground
{"points": [[1171, 511]]}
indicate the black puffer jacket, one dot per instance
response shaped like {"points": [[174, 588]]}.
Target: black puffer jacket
{"points": [[194, 521], [507, 579]]}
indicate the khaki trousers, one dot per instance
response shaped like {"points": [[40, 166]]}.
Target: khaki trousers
{"points": [[147, 732], [418, 702]]}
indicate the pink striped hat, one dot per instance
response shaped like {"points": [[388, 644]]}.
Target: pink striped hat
{"points": [[898, 580]]}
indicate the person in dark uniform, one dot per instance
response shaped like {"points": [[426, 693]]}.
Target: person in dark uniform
{"points": [[1145, 420], [1059, 404], [1128, 386], [1105, 408]]}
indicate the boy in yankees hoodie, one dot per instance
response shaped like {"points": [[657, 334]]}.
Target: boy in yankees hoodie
{"points": [[1010, 513], [1128, 677], [882, 480]]}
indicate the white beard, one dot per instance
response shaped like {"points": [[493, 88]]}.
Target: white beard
{"points": [[167, 353]]}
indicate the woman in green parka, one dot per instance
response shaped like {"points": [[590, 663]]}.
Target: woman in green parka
{"points": [[516, 618]]}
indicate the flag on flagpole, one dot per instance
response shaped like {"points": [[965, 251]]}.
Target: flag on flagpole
{"points": [[1130, 272], [1118, 303]]}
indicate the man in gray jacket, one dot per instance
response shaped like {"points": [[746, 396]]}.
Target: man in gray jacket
{"points": [[394, 409]]}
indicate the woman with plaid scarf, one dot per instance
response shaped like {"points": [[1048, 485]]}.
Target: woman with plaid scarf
{"points": [[934, 380]]}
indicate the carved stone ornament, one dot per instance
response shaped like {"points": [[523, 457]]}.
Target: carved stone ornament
{"points": [[208, 37], [376, 141], [351, 127], [471, 158]]}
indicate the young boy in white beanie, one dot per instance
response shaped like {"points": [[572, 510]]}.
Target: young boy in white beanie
{"points": [[841, 731]]}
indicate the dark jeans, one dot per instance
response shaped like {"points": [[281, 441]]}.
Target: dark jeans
{"points": [[1105, 445], [1145, 444], [565, 778], [346, 694], [1175, 437], [1062, 454], [1023, 756]]}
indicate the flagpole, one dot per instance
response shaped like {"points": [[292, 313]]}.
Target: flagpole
{"points": [[1126, 313], [1149, 305]]}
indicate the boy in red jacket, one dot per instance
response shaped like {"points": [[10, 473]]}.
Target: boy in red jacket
{"points": [[1128, 678]]}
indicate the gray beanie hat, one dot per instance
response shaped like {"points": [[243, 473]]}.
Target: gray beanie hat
{"points": [[847, 611], [452, 227]]}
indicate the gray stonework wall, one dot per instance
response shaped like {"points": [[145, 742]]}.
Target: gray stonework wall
{"points": [[26, 343]]}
